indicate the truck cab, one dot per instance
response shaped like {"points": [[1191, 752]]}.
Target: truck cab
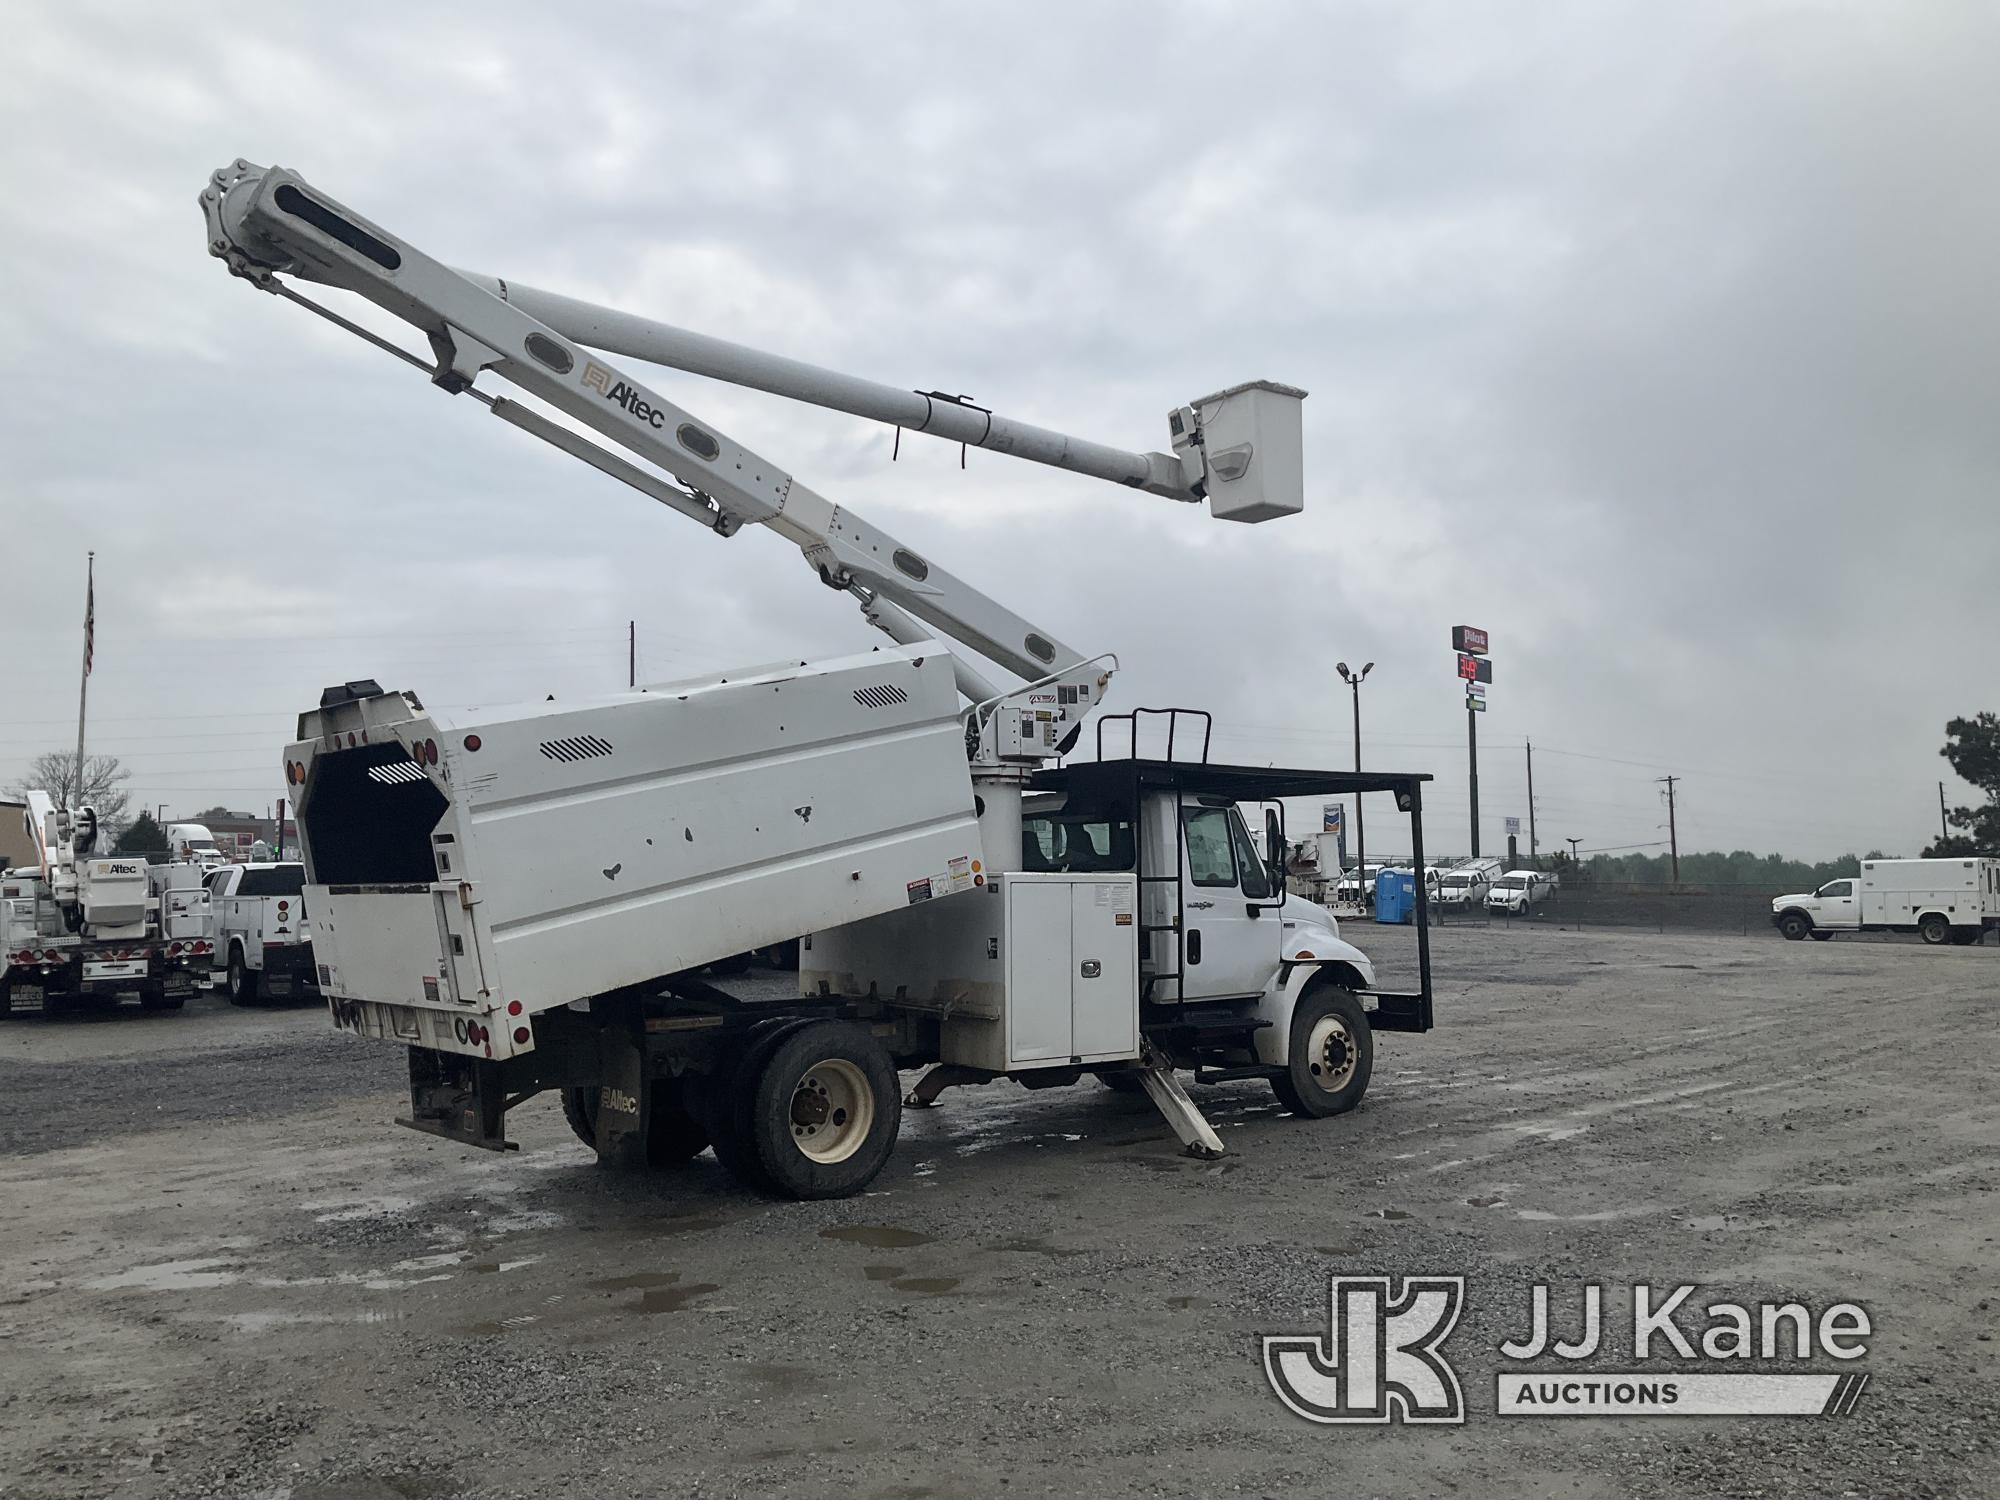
{"points": [[1834, 907], [263, 940]]}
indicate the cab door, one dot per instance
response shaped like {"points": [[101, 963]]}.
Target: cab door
{"points": [[1235, 924], [1838, 905]]}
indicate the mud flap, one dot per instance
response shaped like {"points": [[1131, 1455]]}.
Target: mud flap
{"points": [[624, 1101]]}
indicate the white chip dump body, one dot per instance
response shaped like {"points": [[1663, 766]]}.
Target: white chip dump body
{"points": [[465, 864]]}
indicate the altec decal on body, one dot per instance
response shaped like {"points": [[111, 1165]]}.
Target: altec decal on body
{"points": [[618, 393]]}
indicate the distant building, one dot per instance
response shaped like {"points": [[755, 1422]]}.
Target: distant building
{"points": [[16, 848]]}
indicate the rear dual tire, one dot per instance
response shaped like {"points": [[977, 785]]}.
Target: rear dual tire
{"points": [[1934, 929], [241, 980], [811, 1109]]}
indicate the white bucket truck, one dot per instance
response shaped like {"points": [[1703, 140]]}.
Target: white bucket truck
{"points": [[524, 896]]}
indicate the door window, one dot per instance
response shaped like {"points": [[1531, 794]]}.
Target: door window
{"points": [[1837, 888], [1256, 879], [1211, 860]]}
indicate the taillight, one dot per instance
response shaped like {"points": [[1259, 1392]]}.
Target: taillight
{"points": [[472, 742], [431, 751], [521, 1035]]}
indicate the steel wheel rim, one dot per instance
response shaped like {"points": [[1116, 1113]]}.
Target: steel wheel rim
{"points": [[1331, 1054], [832, 1111]]}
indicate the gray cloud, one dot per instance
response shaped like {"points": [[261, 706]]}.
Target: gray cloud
{"points": [[1657, 340]]}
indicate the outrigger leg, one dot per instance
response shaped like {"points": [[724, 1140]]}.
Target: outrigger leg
{"points": [[1165, 1090]]}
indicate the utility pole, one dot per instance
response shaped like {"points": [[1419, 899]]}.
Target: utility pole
{"points": [[1534, 849], [1944, 825], [1353, 680], [75, 798], [1673, 836], [1472, 765], [631, 653]]}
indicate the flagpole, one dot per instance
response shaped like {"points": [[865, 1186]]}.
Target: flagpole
{"points": [[83, 692]]}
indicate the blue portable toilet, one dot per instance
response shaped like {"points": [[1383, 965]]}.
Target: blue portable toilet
{"points": [[1395, 896]]}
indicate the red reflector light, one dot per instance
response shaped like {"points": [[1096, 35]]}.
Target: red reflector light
{"points": [[431, 751], [472, 742], [350, 739], [51, 956], [521, 1035], [513, 1007]]}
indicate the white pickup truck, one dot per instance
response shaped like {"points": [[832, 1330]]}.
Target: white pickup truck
{"points": [[1941, 900], [1516, 893], [263, 943]]}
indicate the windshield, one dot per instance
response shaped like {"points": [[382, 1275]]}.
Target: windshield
{"points": [[1457, 880], [1513, 882], [273, 880]]}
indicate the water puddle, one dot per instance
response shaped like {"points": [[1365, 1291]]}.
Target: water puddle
{"points": [[694, 1224], [784, 1377], [1388, 1213], [1182, 1304], [264, 1322], [1493, 1202], [926, 1286], [638, 1281], [172, 1276], [668, 1299], [1710, 1223], [1033, 1247], [878, 1236]]}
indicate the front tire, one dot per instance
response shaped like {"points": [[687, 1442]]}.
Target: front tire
{"points": [[825, 1110], [1795, 925], [1934, 929], [1332, 1054], [242, 981]]}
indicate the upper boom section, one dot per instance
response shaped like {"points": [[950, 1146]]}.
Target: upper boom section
{"points": [[1241, 448]]}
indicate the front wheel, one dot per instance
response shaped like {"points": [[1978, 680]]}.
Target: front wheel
{"points": [[824, 1111], [1934, 929], [1795, 925], [1331, 1056]]}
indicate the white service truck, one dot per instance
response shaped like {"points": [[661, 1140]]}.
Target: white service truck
{"points": [[84, 924], [525, 896], [1941, 900], [263, 940]]}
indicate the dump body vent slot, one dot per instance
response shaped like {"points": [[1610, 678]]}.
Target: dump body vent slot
{"points": [[576, 747], [395, 771], [882, 695]]}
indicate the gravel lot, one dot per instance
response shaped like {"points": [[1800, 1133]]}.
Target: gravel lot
{"points": [[229, 1274]]}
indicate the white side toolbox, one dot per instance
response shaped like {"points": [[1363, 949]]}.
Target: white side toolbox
{"points": [[1069, 954]]}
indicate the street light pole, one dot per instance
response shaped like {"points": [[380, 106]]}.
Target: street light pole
{"points": [[1572, 852], [1353, 681]]}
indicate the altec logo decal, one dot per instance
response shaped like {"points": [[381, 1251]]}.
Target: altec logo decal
{"points": [[618, 393]]}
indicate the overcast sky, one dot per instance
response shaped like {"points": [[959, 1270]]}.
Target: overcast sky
{"points": [[1658, 340]]}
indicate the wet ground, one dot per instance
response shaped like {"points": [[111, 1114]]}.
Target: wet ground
{"points": [[228, 1274]]}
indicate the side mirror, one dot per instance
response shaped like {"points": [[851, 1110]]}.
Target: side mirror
{"points": [[1274, 848]]}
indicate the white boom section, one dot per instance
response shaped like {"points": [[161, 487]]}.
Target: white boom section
{"points": [[950, 417], [266, 221]]}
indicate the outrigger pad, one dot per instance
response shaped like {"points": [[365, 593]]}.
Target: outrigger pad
{"points": [[1187, 1121]]}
